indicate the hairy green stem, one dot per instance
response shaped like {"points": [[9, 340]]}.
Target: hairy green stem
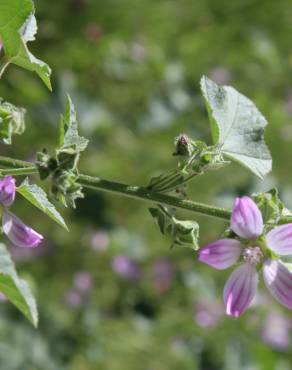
{"points": [[19, 171], [14, 163], [17, 168], [146, 195]]}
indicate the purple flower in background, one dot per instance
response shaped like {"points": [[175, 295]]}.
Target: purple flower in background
{"points": [[207, 313], [256, 253], [7, 191], [126, 267], [99, 241], [73, 299], [163, 272], [220, 75], [82, 281], [18, 233], [276, 331], [3, 298], [1, 46]]}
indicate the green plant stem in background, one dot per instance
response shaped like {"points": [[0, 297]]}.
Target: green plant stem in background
{"points": [[18, 167]]}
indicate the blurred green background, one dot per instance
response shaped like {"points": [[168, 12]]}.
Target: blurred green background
{"points": [[111, 293]]}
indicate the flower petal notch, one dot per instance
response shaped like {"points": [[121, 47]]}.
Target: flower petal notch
{"points": [[240, 289], [7, 191], [279, 240], [221, 254], [278, 279], [18, 233], [246, 219]]}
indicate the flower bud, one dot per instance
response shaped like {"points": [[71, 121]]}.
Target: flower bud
{"points": [[183, 145], [18, 233], [7, 190]]}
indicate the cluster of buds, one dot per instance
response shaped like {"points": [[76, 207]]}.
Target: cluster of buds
{"points": [[17, 232], [196, 155], [62, 169]]}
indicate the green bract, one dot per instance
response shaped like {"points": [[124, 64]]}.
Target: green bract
{"points": [[63, 167], [182, 233], [11, 121], [272, 208]]}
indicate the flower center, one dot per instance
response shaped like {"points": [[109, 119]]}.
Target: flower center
{"points": [[253, 255]]}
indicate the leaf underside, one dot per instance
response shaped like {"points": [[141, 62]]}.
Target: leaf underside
{"points": [[237, 127]]}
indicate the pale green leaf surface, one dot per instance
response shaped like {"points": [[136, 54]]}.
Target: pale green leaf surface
{"points": [[237, 127], [36, 195], [69, 135], [17, 27], [16, 289]]}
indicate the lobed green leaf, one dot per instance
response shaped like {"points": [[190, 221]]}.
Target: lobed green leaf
{"points": [[17, 27], [237, 127]]}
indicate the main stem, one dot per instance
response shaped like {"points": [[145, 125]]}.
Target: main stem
{"points": [[17, 167]]}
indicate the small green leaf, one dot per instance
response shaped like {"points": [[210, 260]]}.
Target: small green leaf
{"points": [[182, 233], [11, 121], [38, 198], [69, 136], [237, 127], [17, 27], [16, 289], [186, 233]]}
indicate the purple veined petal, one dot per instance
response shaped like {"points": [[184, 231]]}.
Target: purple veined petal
{"points": [[221, 254], [246, 219], [7, 190], [279, 240], [18, 233], [278, 279], [240, 289]]}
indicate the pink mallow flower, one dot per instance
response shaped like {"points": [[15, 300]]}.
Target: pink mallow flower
{"points": [[7, 191], [18, 233], [257, 252]]}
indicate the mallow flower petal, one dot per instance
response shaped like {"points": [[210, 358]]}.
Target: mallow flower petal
{"points": [[18, 233], [221, 254], [7, 190], [279, 239], [246, 219], [278, 279], [240, 289]]}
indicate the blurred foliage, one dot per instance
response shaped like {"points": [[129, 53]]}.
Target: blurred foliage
{"points": [[132, 68]]}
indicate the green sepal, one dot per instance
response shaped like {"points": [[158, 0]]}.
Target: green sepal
{"points": [[272, 208], [182, 233]]}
